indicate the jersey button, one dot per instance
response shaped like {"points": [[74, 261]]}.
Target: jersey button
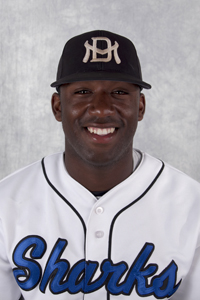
{"points": [[99, 234], [99, 210]]}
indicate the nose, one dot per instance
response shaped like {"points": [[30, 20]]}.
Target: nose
{"points": [[101, 105]]}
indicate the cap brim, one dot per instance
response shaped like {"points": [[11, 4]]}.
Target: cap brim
{"points": [[101, 76]]}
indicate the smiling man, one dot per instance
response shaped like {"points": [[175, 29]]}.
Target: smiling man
{"points": [[101, 221], [99, 120]]}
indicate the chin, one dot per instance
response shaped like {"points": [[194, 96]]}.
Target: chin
{"points": [[104, 159]]}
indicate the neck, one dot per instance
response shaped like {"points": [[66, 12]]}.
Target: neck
{"points": [[99, 177]]}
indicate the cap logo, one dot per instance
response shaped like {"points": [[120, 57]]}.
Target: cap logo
{"points": [[96, 50]]}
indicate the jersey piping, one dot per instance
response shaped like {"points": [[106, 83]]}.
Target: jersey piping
{"points": [[62, 197]]}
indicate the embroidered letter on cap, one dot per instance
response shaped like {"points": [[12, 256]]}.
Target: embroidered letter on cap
{"points": [[96, 50]]}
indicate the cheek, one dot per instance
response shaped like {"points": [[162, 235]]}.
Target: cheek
{"points": [[132, 123], [74, 111], [66, 120], [71, 120], [131, 115]]}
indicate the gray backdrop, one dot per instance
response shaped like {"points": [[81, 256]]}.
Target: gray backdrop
{"points": [[167, 38]]}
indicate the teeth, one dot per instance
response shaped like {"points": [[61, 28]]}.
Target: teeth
{"points": [[101, 131]]}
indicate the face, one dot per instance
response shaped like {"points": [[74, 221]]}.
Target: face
{"points": [[99, 119]]}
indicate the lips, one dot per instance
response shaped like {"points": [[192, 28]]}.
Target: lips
{"points": [[101, 131]]}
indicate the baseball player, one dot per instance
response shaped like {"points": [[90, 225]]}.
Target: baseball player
{"points": [[102, 220]]}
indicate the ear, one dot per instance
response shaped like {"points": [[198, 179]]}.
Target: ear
{"points": [[56, 106], [142, 106]]}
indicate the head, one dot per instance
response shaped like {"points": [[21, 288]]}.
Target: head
{"points": [[99, 99]]}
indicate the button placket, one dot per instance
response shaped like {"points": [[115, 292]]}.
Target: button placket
{"points": [[97, 232]]}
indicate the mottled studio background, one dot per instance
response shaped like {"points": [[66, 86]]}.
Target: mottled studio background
{"points": [[167, 38]]}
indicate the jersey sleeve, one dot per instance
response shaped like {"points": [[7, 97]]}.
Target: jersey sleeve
{"points": [[9, 289], [190, 286]]}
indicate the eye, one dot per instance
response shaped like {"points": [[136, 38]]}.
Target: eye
{"points": [[120, 92], [82, 92]]}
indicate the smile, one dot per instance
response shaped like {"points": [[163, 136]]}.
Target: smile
{"points": [[101, 131]]}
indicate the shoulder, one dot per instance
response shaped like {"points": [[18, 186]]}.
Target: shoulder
{"points": [[170, 177], [28, 176]]}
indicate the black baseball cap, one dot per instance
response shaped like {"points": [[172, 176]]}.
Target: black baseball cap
{"points": [[99, 55]]}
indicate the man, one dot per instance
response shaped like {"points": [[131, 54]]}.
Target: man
{"points": [[103, 220]]}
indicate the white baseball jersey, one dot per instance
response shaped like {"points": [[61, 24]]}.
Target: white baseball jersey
{"points": [[140, 239]]}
